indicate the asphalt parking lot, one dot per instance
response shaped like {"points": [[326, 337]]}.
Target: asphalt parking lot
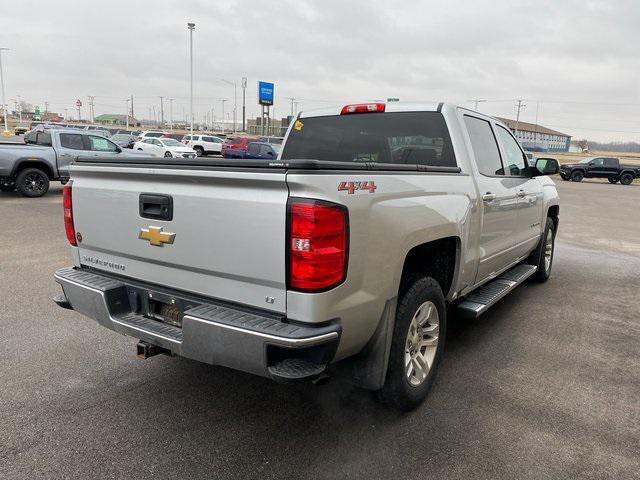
{"points": [[545, 385]]}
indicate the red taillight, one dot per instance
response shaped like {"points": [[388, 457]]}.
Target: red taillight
{"points": [[67, 209], [318, 244], [362, 108]]}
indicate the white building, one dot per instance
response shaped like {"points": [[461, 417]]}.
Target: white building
{"points": [[538, 138]]}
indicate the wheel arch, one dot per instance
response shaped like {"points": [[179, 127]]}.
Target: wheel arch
{"points": [[437, 258], [25, 163], [553, 212]]}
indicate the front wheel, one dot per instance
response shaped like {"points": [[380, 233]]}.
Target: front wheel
{"points": [[199, 151], [626, 179], [417, 344], [167, 155], [577, 176], [32, 182], [542, 256]]}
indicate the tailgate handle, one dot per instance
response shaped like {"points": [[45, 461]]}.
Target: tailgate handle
{"points": [[158, 207]]}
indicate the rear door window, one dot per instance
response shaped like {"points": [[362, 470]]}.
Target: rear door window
{"points": [[253, 149], [409, 138], [266, 150], [72, 141], [485, 146]]}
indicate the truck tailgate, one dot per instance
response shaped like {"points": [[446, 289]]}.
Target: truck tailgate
{"points": [[229, 228]]}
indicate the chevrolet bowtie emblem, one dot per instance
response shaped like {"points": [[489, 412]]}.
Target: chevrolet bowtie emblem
{"points": [[156, 236]]}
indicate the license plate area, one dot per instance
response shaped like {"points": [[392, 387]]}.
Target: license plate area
{"points": [[165, 309]]}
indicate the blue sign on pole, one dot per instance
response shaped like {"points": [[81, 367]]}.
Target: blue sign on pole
{"points": [[265, 93]]}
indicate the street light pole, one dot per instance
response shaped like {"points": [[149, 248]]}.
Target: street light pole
{"points": [[127, 100], [235, 100], [4, 101], [171, 113], [244, 92], [191, 27], [223, 100]]}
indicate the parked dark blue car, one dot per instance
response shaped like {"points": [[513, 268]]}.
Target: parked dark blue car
{"points": [[255, 150]]}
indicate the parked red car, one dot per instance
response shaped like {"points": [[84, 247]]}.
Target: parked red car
{"points": [[238, 143]]}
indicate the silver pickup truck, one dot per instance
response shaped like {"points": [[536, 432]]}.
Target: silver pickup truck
{"points": [[29, 168], [345, 255]]}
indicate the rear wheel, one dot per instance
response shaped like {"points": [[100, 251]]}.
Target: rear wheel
{"points": [[417, 344], [32, 182], [199, 151], [577, 176], [626, 179], [613, 179], [167, 155]]}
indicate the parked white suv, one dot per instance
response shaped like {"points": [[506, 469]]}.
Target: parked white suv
{"points": [[164, 147], [204, 144]]}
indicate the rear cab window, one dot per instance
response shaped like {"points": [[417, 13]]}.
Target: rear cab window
{"points": [[393, 138], [72, 141]]}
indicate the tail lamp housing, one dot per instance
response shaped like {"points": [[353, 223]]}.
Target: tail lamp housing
{"points": [[318, 244], [67, 209]]}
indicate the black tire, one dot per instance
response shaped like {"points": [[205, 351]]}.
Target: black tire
{"points": [[577, 176], [626, 179], [199, 151], [613, 179], [168, 155], [32, 182], [7, 188], [538, 257], [397, 391]]}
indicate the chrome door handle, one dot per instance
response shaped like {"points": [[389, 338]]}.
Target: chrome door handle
{"points": [[489, 197], [521, 194]]}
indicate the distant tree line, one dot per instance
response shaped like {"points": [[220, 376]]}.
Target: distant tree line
{"points": [[632, 147]]}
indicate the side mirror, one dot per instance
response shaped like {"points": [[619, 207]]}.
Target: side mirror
{"points": [[118, 149], [591, 164], [546, 166]]}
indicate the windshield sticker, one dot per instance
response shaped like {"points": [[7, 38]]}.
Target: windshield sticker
{"points": [[298, 125]]}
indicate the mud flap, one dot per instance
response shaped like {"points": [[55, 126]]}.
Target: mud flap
{"points": [[368, 369]]}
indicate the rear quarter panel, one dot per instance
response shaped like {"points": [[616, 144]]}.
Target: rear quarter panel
{"points": [[406, 210]]}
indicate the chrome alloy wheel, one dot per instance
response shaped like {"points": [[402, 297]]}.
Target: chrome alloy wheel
{"points": [[422, 343], [548, 251]]}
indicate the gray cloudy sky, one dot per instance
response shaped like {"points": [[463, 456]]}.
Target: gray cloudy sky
{"points": [[578, 58]]}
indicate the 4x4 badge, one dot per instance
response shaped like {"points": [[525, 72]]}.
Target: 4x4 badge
{"points": [[351, 187], [156, 236]]}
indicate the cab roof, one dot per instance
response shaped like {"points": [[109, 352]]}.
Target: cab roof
{"points": [[389, 107]]}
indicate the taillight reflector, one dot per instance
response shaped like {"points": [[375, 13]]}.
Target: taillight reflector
{"points": [[362, 108], [67, 210], [317, 244]]}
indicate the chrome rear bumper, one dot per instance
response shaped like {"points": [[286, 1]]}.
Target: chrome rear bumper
{"points": [[211, 332]]}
